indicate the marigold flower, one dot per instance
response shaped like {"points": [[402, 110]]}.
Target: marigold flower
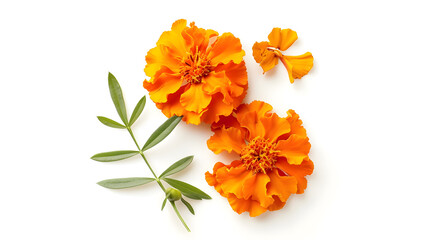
{"points": [[195, 73], [273, 161], [268, 53]]}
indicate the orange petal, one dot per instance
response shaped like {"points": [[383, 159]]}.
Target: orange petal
{"points": [[197, 38], [211, 178], [229, 140], [163, 83], [192, 117], [275, 127], [169, 47], [298, 171], [277, 205], [174, 38], [289, 67], [226, 48], [228, 79], [236, 73], [218, 108], [251, 122], [269, 60], [282, 38], [227, 121], [194, 99], [281, 186], [161, 56], [259, 50], [233, 179], [220, 83], [295, 124], [262, 109], [295, 149], [173, 106], [215, 82], [298, 66], [242, 205], [255, 188]]}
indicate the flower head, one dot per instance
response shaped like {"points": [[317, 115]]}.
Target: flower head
{"points": [[267, 54], [195, 73], [273, 158]]}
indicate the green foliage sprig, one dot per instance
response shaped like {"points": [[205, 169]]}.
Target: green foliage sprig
{"points": [[179, 188]]}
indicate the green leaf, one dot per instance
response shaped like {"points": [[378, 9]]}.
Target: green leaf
{"points": [[118, 183], [113, 156], [163, 204], [177, 166], [137, 110], [117, 97], [162, 132], [109, 122], [187, 189], [188, 205]]}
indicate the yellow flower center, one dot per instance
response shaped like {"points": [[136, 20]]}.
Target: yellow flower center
{"points": [[194, 67], [259, 155]]}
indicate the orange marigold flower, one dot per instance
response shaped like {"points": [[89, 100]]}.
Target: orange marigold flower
{"points": [[273, 160], [268, 53], [195, 73]]}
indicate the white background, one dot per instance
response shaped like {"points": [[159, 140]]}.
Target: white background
{"points": [[364, 105]]}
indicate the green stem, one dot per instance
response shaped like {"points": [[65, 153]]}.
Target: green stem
{"points": [[141, 154], [157, 179], [180, 217]]}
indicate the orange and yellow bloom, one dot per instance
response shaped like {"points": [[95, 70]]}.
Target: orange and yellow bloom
{"points": [[267, 54], [273, 158], [195, 73]]}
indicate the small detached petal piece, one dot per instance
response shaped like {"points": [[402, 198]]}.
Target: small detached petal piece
{"points": [[267, 54], [273, 158]]}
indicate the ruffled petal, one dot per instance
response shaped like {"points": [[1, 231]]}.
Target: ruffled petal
{"points": [[172, 106], [240, 205], [229, 140], [262, 109], [218, 108], [174, 38], [298, 66], [269, 60], [226, 48], [295, 124], [215, 82], [295, 149], [298, 171], [259, 49], [193, 117], [236, 73], [164, 82], [282, 38], [281, 186], [251, 122], [170, 47], [233, 179], [197, 38], [161, 56], [195, 99], [277, 205], [255, 188], [211, 178], [226, 121], [275, 127]]}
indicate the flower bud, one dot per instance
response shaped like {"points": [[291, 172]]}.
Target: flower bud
{"points": [[173, 194]]}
